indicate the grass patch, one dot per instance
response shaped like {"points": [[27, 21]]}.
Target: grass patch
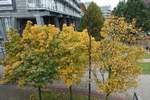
{"points": [[146, 68], [147, 56], [61, 96]]}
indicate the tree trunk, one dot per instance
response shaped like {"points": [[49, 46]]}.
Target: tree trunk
{"points": [[109, 72], [135, 97], [70, 92], [89, 95], [107, 96], [40, 93], [103, 79]]}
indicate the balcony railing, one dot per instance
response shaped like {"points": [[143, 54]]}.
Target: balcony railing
{"points": [[53, 6]]}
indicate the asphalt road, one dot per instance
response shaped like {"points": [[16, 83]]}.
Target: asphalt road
{"points": [[12, 92]]}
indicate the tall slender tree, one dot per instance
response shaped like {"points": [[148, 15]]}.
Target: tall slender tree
{"points": [[92, 21]]}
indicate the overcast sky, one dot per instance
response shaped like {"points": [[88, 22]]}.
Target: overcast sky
{"points": [[113, 3]]}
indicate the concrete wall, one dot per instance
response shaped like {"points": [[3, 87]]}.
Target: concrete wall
{"points": [[9, 15]]}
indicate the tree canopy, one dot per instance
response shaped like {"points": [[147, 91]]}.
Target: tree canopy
{"points": [[134, 9], [71, 54], [93, 20], [117, 28], [119, 66], [29, 59], [117, 63]]}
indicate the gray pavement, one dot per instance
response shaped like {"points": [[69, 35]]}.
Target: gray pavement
{"points": [[1, 71], [143, 90], [15, 93], [12, 92]]}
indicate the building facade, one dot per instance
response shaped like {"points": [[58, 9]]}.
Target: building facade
{"points": [[106, 9], [15, 13]]}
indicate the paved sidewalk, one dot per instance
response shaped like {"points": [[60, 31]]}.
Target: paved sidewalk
{"points": [[12, 92], [146, 60], [143, 89]]}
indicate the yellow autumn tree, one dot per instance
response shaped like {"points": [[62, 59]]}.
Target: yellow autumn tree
{"points": [[29, 59], [120, 66], [71, 51], [117, 28], [71, 54]]}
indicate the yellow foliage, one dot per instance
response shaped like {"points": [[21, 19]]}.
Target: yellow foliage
{"points": [[117, 28], [71, 54], [120, 65], [35, 44], [71, 75]]}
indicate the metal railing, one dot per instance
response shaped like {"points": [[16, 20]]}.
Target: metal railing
{"points": [[53, 5]]}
